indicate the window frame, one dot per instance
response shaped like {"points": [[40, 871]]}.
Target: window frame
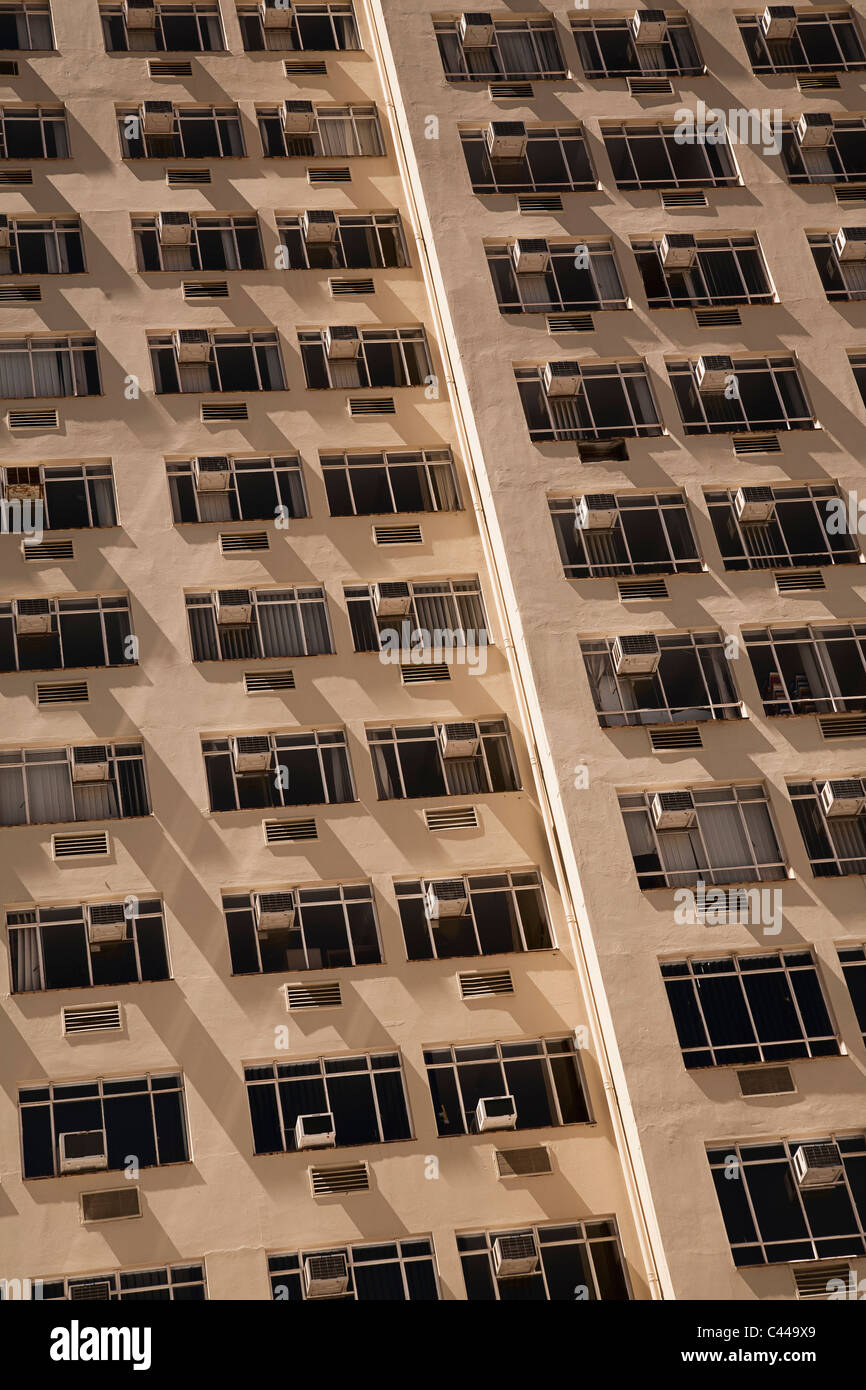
{"points": [[23, 9], [221, 747], [777, 369], [673, 66], [479, 885], [403, 342], [196, 10], [499, 70], [290, 1276], [472, 1244], [727, 528], [629, 132], [795, 167], [312, 896], [293, 597], [375, 222], [99, 605], [530, 387], [255, 339], [389, 737], [161, 1288], [426, 460], [48, 474], [552, 1048], [339, 1068], [565, 137], [657, 502], [249, 15], [35, 756], [155, 912], [202, 111], [598, 249], [178, 471], [46, 115], [146, 226], [756, 44], [451, 592], [647, 251], [819, 637], [77, 358], [805, 799], [629, 715], [51, 229], [271, 132]]}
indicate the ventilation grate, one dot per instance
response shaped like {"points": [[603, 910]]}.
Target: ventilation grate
{"points": [[326, 996], [342, 286], [539, 202], [843, 726], [260, 683], [569, 323], [9, 68], [756, 444], [299, 67], [33, 420], [788, 582], [91, 1291], [341, 174], [848, 196], [279, 832], [602, 451], [417, 675], [362, 406], [62, 693], [684, 198], [718, 318], [205, 289], [460, 818], [100, 1018], [523, 1163], [641, 588], [397, 535], [475, 984], [766, 1081], [161, 67], [510, 91], [813, 1281], [79, 846], [16, 177], [668, 739], [818, 82], [350, 1177], [650, 86], [242, 542], [47, 550], [20, 294], [213, 412], [187, 178], [111, 1205]]}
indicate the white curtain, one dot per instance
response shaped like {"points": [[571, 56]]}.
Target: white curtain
{"points": [[818, 164], [176, 258], [49, 791], [650, 57], [535, 290], [336, 136], [344, 373], [26, 967], [280, 627], [16, 379], [214, 506], [465, 775], [609, 287], [854, 276], [12, 807], [194, 376], [96, 801], [443, 486], [518, 53]]}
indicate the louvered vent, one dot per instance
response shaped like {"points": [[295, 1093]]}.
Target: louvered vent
{"points": [[242, 542], [278, 832], [477, 984], [187, 178], [717, 318], [397, 535], [33, 420], [670, 737], [818, 82], [114, 1204], [262, 682], [766, 1081], [79, 846], [684, 198], [20, 294], [812, 1281], [162, 67], [843, 726], [324, 996], [362, 406], [649, 86], [205, 289], [855, 196], [510, 91], [727, 904], [569, 323], [756, 444], [100, 1018], [419, 675], [47, 550], [15, 177], [795, 582], [8, 68], [212, 412], [458, 818], [330, 1181], [300, 67], [539, 202], [343, 286], [641, 588], [91, 1291], [523, 1163], [341, 174], [62, 693]]}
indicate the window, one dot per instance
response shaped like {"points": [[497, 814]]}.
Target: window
{"points": [[38, 786], [216, 243], [842, 280], [408, 762], [371, 241], [282, 622], [652, 534], [505, 912], [736, 1010], [607, 49], [820, 43], [178, 29], [258, 487], [398, 1272], [770, 1219], [386, 357], [237, 362], [543, 1078], [796, 534], [614, 402], [379, 484], [524, 48], [453, 607], [858, 367], [320, 28], [809, 669], [74, 496], [836, 845], [731, 840], [199, 132], [24, 26], [142, 1115], [36, 367], [334, 927], [176, 1283], [49, 947], [583, 1259], [343, 132], [49, 246], [563, 285], [726, 270], [843, 160], [765, 394], [853, 961], [309, 769], [81, 632], [33, 132], [650, 156], [556, 159], [365, 1095], [692, 682]]}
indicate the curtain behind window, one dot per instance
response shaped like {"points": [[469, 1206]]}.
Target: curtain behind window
{"points": [[49, 790]]}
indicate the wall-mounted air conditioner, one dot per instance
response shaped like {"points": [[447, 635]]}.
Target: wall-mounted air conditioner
{"points": [[673, 810], [315, 1131], [779, 22], [319, 226], [212, 473], [107, 924], [636, 655], [679, 250], [850, 243], [814, 129], [174, 228], [157, 118], [476, 29], [192, 346], [251, 753], [506, 139], [342, 343], [445, 897], [562, 379], [90, 764], [495, 1112], [514, 1255], [275, 14], [649, 26], [711, 373], [32, 616], [818, 1165], [83, 1151], [754, 504], [299, 118], [530, 255], [596, 511], [274, 911], [234, 607], [459, 740], [392, 599], [326, 1275], [5, 232], [139, 14], [842, 797]]}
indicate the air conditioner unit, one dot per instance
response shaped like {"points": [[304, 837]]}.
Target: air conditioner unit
{"points": [[392, 599], [476, 29], [5, 232], [315, 1131], [459, 740], [506, 139], [157, 118], [326, 1275], [192, 345], [234, 607], [514, 1255], [319, 227], [90, 764], [445, 897], [814, 129], [843, 797], [299, 118], [251, 753], [275, 14], [495, 1112], [649, 26], [212, 473], [673, 810], [678, 250], [530, 255], [174, 228], [636, 655], [779, 22], [32, 616], [817, 1165], [754, 504], [107, 924], [342, 343], [139, 14], [711, 374], [274, 911], [596, 511], [562, 379], [83, 1151], [850, 243], [92, 1290]]}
